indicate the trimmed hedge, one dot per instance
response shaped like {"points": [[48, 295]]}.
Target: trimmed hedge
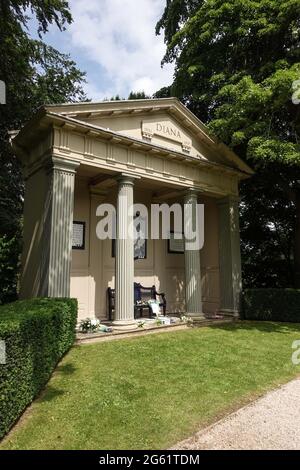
{"points": [[271, 305], [37, 333]]}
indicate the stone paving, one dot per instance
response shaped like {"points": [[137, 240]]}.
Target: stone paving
{"points": [[271, 422]]}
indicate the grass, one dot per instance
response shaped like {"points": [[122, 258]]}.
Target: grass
{"points": [[153, 391]]}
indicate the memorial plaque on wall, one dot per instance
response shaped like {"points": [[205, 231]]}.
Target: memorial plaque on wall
{"points": [[78, 239], [140, 242], [140, 248], [175, 245]]}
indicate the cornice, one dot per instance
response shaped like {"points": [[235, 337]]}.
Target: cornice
{"points": [[138, 144], [48, 116]]}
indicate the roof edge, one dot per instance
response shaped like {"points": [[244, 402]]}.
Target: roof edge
{"points": [[229, 154]]}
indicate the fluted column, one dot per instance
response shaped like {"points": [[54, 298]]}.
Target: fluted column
{"points": [[229, 255], [124, 308], [193, 290], [58, 225]]}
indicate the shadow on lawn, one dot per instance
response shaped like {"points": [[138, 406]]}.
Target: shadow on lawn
{"points": [[65, 369], [262, 326], [50, 392]]}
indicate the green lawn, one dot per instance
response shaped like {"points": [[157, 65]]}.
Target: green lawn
{"points": [[153, 391]]}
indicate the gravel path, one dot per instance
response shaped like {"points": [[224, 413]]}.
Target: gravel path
{"points": [[271, 422]]}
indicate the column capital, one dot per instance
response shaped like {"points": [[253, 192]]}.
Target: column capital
{"points": [[62, 164], [191, 193], [126, 178]]}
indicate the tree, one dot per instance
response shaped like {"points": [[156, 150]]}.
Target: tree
{"points": [[138, 95], [114, 98], [165, 92], [237, 63], [133, 95], [34, 74]]}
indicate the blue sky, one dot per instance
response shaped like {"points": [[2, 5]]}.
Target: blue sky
{"points": [[114, 41]]}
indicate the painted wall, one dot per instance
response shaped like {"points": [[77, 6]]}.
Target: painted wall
{"points": [[93, 269]]}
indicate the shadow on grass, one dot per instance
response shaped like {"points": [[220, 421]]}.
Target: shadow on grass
{"points": [[50, 393], [262, 326], [66, 369]]}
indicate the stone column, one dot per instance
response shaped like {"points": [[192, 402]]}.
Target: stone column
{"points": [[58, 225], [124, 301], [97, 302], [193, 289], [229, 255]]}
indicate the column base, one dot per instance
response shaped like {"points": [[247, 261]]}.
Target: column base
{"points": [[124, 325], [196, 316], [230, 313]]}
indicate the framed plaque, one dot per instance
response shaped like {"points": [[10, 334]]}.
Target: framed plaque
{"points": [[176, 246], [140, 248], [78, 238], [140, 242]]}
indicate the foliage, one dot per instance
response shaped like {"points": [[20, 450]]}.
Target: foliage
{"points": [[52, 11], [143, 393], [34, 74], [186, 319], [138, 95], [133, 95], [93, 325], [236, 66], [114, 98], [89, 325], [268, 218], [9, 265], [271, 305], [164, 92], [37, 333]]}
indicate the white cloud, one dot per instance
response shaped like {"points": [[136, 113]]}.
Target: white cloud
{"points": [[118, 37]]}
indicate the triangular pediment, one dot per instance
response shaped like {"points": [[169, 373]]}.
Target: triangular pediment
{"points": [[159, 128], [162, 122]]}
